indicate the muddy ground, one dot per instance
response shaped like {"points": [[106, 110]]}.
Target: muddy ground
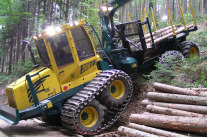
{"points": [[30, 128]]}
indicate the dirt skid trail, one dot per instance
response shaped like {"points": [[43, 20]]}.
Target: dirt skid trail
{"points": [[29, 128]]}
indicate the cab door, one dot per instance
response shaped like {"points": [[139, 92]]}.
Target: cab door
{"points": [[63, 55], [87, 58]]}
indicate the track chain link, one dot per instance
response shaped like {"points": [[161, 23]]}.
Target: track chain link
{"points": [[73, 106]]}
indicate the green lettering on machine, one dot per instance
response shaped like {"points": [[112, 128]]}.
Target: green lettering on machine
{"points": [[87, 66]]}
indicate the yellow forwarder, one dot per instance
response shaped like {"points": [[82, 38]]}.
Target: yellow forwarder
{"points": [[77, 85], [71, 84]]}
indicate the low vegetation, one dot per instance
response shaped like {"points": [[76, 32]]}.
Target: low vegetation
{"points": [[191, 72]]}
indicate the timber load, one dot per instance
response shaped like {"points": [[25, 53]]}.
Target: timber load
{"points": [[170, 111], [161, 35]]}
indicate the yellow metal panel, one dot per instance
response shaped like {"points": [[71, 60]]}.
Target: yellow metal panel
{"points": [[169, 14], [153, 17], [130, 24], [145, 11], [181, 12], [49, 105], [81, 80], [143, 21], [10, 97], [49, 86], [191, 8]]}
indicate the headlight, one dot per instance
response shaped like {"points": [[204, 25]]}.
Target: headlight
{"points": [[110, 8], [71, 24], [104, 8], [39, 35], [50, 30], [58, 29], [76, 23], [34, 37]]}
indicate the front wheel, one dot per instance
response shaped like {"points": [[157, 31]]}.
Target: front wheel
{"points": [[91, 116], [85, 118]]}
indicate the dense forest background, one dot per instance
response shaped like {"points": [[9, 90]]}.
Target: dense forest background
{"points": [[20, 19]]}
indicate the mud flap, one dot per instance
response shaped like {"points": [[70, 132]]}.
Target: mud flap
{"points": [[9, 114]]}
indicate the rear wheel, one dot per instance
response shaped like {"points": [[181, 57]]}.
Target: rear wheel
{"points": [[118, 90], [189, 49]]}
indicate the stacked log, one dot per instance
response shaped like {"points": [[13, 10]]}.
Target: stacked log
{"points": [[170, 108], [161, 35]]}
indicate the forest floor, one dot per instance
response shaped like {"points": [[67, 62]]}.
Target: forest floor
{"points": [[36, 128]]}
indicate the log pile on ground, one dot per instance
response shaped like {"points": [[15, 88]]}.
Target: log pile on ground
{"points": [[170, 109], [161, 35]]}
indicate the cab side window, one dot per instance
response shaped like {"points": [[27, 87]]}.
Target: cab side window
{"points": [[61, 50], [43, 53], [83, 43]]}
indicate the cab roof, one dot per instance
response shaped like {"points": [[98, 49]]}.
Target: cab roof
{"points": [[53, 30]]}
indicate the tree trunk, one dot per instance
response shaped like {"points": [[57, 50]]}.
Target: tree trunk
{"points": [[178, 90], [177, 11], [132, 132], [25, 31], [173, 10], [10, 55], [55, 10], [18, 46], [197, 8], [184, 6], [170, 111], [123, 17], [155, 131], [67, 10], [14, 52], [192, 124], [195, 100], [38, 14], [198, 89], [206, 7], [201, 6], [3, 62], [51, 12], [139, 8], [0, 61], [48, 11], [61, 8], [164, 8], [44, 7], [136, 10], [191, 108]]}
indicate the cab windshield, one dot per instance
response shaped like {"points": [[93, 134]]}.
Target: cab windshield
{"points": [[43, 52], [61, 50]]}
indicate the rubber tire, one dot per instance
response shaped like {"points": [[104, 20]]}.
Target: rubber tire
{"points": [[99, 108], [53, 120], [171, 53], [106, 98], [186, 47]]}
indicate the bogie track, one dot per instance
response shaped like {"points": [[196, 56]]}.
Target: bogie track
{"points": [[72, 109]]}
